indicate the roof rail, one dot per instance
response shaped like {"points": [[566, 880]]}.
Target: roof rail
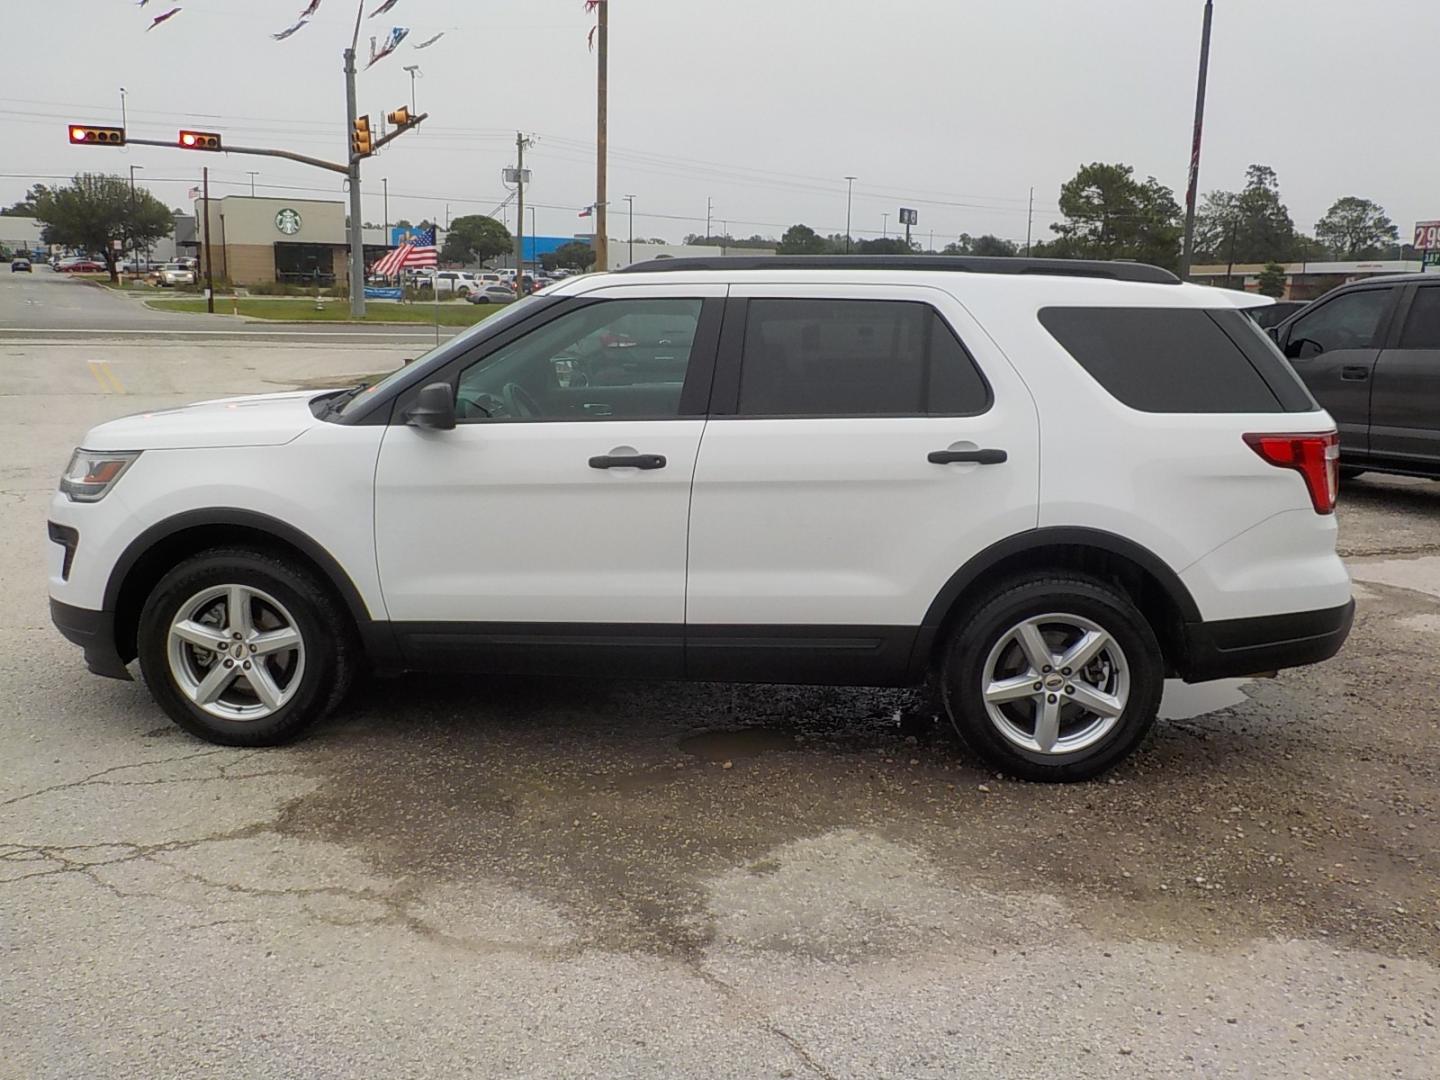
{"points": [[970, 264]]}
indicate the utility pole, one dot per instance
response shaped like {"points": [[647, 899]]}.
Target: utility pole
{"points": [[357, 231], [385, 183], [709, 210], [602, 133], [884, 225], [849, 197], [134, 242], [209, 262], [1187, 252], [631, 200], [725, 238], [1029, 221], [520, 143]]}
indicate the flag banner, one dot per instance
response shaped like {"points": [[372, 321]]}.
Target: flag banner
{"points": [[587, 211], [283, 34], [310, 9], [373, 292], [431, 41], [386, 6], [161, 18], [392, 42]]}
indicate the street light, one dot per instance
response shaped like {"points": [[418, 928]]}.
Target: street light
{"points": [[134, 243], [849, 196], [252, 174], [631, 200], [414, 70]]}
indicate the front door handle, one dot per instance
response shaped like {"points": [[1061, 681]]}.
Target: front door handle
{"points": [[1354, 373], [969, 457], [628, 461]]}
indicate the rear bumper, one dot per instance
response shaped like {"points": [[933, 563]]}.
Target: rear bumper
{"points": [[1235, 647], [93, 631]]}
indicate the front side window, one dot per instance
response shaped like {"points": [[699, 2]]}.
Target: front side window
{"points": [[1422, 325], [1347, 322], [624, 359], [855, 358]]}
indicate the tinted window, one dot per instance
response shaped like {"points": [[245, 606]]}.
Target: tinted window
{"points": [[1422, 326], [855, 358], [615, 358], [1347, 322], [1162, 359]]}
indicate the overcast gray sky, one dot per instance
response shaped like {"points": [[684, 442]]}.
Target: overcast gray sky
{"points": [[954, 107]]}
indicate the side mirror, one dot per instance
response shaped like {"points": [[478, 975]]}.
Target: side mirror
{"points": [[1273, 331], [434, 408]]}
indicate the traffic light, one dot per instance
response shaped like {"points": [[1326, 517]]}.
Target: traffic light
{"points": [[400, 117], [362, 144], [83, 135], [199, 140]]}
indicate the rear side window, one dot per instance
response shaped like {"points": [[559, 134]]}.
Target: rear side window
{"points": [[1422, 325], [1177, 360], [855, 358]]}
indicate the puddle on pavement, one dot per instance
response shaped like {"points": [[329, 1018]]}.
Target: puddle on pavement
{"points": [[729, 745], [1181, 701]]}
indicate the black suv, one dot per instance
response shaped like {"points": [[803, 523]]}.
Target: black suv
{"points": [[1370, 353]]}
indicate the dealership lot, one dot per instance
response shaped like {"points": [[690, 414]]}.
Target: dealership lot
{"points": [[541, 878]]}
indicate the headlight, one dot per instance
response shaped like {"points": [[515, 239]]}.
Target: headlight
{"points": [[92, 473]]}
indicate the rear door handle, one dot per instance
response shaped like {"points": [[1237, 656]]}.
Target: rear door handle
{"points": [[1354, 373], [970, 457], [628, 461]]}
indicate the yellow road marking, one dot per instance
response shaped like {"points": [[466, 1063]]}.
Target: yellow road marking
{"points": [[107, 379]]}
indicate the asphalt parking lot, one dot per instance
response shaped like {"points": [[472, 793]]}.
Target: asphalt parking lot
{"points": [[531, 878]]}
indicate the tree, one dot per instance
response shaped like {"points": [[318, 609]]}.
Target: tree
{"points": [[802, 240], [1355, 228], [404, 223], [1111, 215], [1248, 226], [883, 245], [96, 211], [476, 238], [993, 246], [1272, 280], [575, 255], [26, 206]]}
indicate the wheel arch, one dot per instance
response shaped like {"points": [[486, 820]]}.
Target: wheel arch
{"points": [[1150, 583], [160, 547]]}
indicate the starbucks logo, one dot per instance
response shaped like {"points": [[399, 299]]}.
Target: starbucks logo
{"points": [[288, 221]]}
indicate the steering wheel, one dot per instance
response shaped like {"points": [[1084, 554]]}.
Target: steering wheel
{"points": [[518, 401]]}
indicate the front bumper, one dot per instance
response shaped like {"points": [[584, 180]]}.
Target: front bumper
{"points": [[1235, 647], [93, 631]]}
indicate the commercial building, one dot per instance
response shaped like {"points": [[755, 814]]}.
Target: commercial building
{"points": [[1304, 280], [258, 241]]}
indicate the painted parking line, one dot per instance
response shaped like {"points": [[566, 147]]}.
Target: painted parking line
{"points": [[108, 380]]}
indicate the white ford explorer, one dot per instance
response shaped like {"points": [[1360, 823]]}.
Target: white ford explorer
{"points": [[1046, 486]]}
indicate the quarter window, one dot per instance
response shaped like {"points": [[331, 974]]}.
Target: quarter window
{"points": [[855, 358], [1422, 326]]}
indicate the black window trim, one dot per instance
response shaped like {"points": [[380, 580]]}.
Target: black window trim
{"points": [[694, 393], [725, 401]]}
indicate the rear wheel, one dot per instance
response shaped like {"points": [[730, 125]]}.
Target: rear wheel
{"points": [[243, 649], [1053, 680]]}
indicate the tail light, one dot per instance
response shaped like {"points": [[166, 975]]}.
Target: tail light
{"points": [[1316, 457]]}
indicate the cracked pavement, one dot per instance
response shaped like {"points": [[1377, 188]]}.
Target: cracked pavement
{"points": [[530, 878]]}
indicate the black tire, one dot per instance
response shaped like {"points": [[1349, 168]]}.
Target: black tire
{"points": [[962, 674], [331, 649]]}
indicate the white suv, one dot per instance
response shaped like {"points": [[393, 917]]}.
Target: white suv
{"points": [[1047, 485]]}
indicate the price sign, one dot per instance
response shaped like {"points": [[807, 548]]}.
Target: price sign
{"points": [[1427, 236]]}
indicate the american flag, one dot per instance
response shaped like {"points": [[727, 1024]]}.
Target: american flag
{"points": [[418, 252]]}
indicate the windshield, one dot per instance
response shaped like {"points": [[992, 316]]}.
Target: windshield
{"points": [[518, 310]]}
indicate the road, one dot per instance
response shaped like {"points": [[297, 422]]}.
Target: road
{"points": [[44, 305], [529, 878]]}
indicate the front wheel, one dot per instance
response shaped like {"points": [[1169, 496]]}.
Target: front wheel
{"points": [[244, 649], [1053, 680]]}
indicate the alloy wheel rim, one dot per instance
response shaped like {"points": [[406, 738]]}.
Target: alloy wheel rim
{"points": [[1055, 684], [236, 653]]}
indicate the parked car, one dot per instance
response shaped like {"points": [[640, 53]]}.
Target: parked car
{"points": [[1370, 353], [459, 283], [1044, 486], [492, 294], [172, 274], [1267, 315], [19, 265], [80, 266]]}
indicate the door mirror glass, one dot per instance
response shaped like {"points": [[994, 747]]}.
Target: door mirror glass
{"points": [[434, 408]]}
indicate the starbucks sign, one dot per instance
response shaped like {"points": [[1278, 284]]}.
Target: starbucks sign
{"points": [[288, 221]]}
